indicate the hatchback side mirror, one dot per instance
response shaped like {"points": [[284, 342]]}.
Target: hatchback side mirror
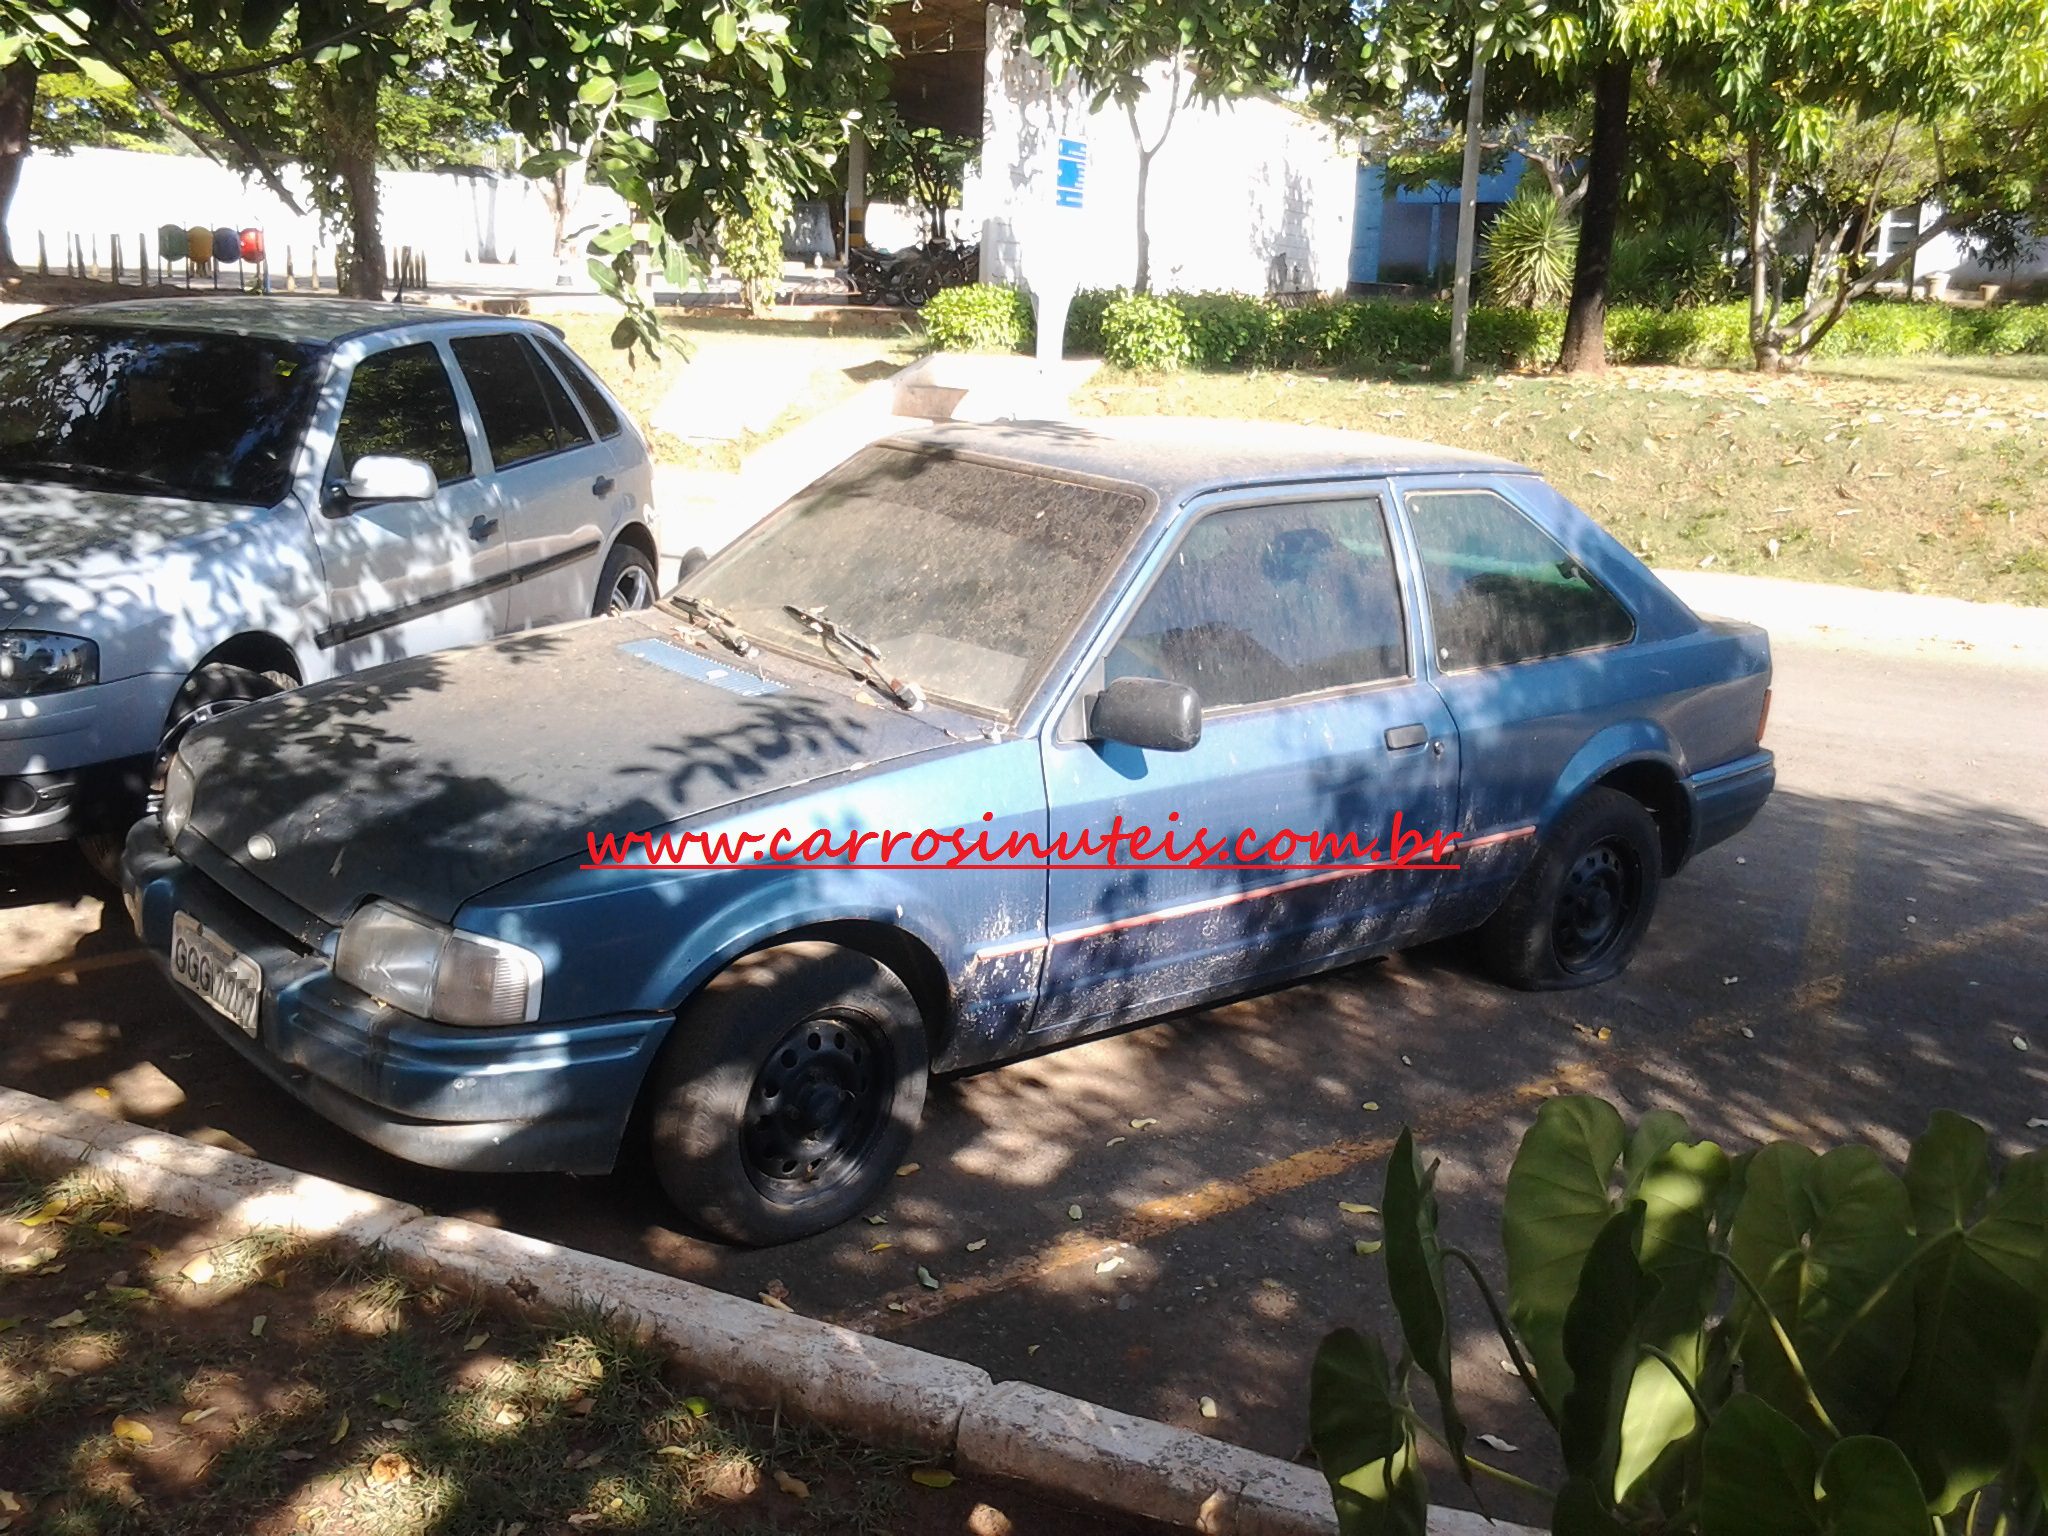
{"points": [[386, 477], [1146, 712]]}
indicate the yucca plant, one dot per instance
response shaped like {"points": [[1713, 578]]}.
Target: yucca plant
{"points": [[1784, 1343], [1530, 250]]}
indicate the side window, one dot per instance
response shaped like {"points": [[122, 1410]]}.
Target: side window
{"points": [[517, 422], [1502, 590], [595, 406], [400, 402], [570, 432], [1266, 603]]}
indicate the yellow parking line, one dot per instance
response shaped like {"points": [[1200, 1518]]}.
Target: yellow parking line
{"points": [[1221, 1197], [57, 969]]}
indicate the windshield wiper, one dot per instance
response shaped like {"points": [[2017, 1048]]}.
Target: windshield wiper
{"points": [[716, 623], [836, 637], [91, 476]]}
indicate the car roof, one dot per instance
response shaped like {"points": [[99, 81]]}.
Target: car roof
{"points": [[1176, 457], [277, 317]]}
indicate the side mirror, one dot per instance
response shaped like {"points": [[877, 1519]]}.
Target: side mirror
{"points": [[386, 477], [1146, 712]]}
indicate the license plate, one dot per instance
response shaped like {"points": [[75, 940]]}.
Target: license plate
{"points": [[217, 971]]}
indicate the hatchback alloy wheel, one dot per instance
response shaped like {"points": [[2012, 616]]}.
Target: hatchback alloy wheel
{"points": [[631, 589]]}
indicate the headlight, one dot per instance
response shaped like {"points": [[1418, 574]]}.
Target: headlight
{"points": [[177, 808], [33, 661], [431, 970]]}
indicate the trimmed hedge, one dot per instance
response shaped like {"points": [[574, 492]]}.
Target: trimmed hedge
{"points": [[1229, 330], [979, 317]]}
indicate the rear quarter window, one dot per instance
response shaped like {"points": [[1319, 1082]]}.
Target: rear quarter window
{"points": [[1500, 589]]}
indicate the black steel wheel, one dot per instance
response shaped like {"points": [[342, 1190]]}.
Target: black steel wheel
{"points": [[787, 1093], [817, 1105], [1578, 913]]}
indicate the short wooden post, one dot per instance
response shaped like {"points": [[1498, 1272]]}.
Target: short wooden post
{"points": [[95, 256], [42, 255], [114, 242]]}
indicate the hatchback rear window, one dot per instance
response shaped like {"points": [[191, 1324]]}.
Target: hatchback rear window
{"points": [[153, 411]]}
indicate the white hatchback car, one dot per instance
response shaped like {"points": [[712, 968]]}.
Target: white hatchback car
{"points": [[206, 500]]}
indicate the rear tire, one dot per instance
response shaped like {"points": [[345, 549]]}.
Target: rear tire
{"points": [[1578, 913], [788, 1093], [626, 583]]}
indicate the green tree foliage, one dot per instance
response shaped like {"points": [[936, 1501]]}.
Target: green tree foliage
{"points": [[1787, 1341], [922, 166]]}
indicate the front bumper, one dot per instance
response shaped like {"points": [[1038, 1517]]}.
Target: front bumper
{"points": [[1726, 799], [79, 761], [531, 1099]]}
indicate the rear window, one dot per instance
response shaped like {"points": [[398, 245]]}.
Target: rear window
{"points": [[153, 411]]}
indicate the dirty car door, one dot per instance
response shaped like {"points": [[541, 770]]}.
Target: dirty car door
{"points": [[1287, 619]]}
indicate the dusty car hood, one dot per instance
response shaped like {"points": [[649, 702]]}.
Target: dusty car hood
{"points": [[433, 779]]}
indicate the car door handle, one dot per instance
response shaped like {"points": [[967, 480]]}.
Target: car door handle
{"points": [[602, 485], [481, 527], [1402, 737]]}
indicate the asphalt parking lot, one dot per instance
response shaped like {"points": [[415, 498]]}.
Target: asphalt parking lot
{"points": [[1154, 1219]]}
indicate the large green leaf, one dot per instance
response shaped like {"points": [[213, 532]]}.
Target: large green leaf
{"points": [[1679, 1188], [1582, 1510], [1977, 1310], [1557, 1201], [1758, 1474], [1601, 1346], [1868, 1489], [1364, 1439], [1763, 1477], [1822, 1239], [1415, 1276]]}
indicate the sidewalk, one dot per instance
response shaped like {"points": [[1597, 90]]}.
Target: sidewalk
{"points": [[2003, 632]]}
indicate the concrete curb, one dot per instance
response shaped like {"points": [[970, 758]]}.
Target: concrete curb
{"points": [[759, 1357], [1999, 631]]}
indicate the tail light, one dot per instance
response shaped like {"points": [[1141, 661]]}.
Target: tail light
{"points": [[1763, 717]]}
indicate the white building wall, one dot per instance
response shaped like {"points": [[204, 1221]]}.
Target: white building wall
{"points": [[1249, 195], [95, 193]]}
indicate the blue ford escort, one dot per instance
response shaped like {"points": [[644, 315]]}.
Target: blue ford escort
{"points": [[995, 737]]}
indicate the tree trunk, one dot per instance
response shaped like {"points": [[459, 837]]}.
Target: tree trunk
{"points": [[17, 112], [1585, 326], [1143, 283], [365, 276]]}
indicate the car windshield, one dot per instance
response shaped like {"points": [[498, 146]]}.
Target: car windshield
{"points": [[964, 576], [161, 412]]}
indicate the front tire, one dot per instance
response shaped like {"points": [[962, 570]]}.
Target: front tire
{"points": [[788, 1093], [211, 691], [1578, 913]]}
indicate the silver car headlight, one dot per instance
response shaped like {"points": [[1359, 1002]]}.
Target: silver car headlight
{"points": [[436, 972], [177, 807], [34, 661]]}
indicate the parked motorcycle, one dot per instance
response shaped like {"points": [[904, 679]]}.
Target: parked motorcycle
{"points": [[910, 276]]}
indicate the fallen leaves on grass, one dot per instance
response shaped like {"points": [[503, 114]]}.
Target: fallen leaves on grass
{"points": [[924, 1278], [1073, 1213], [1357, 1208], [68, 1320], [475, 1342], [197, 1415], [49, 1211], [1209, 1408], [1109, 1266], [198, 1270], [697, 1406], [256, 1324], [1366, 1247], [340, 1431], [770, 1299], [907, 1170], [932, 1477], [1140, 1125], [977, 1245], [134, 1431], [390, 1468], [1495, 1443]]}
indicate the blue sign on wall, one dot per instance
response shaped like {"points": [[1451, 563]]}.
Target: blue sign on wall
{"points": [[1071, 182]]}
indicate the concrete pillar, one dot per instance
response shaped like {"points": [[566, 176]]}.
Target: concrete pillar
{"points": [[856, 188]]}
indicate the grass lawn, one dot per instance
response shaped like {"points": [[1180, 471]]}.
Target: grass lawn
{"points": [[1915, 474], [158, 1379], [803, 366]]}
